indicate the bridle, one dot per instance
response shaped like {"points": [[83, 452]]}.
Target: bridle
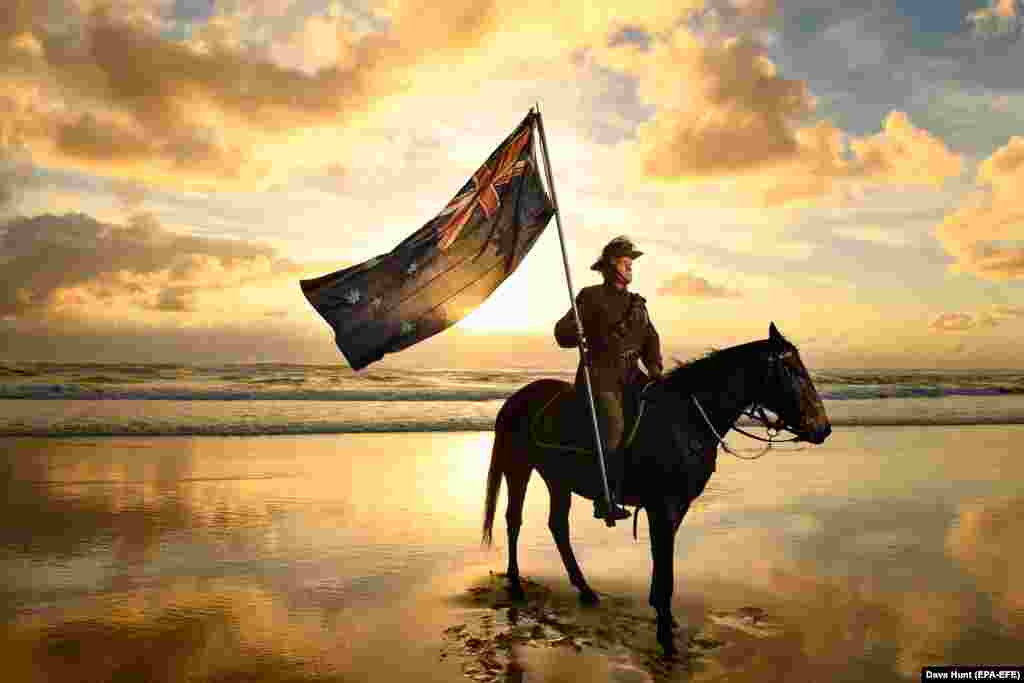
{"points": [[756, 413]]}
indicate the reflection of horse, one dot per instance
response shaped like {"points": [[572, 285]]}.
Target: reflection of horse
{"points": [[672, 453]]}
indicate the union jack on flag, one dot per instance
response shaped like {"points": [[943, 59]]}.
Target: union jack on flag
{"points": [[483, 192], [444, 270]]}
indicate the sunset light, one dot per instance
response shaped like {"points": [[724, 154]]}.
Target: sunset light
{"points": [[194, 160], [293, 387]]}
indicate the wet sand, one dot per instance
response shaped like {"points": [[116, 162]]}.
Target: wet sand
{"points": [[357, 558]]}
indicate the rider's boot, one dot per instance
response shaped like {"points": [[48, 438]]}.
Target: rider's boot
{"points": [[615, 486], [617, 511]]}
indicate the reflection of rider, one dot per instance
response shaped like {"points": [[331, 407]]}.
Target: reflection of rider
{"points": [[617, 332]]}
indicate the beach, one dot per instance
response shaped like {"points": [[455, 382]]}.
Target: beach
{"points": [[356, 557]]}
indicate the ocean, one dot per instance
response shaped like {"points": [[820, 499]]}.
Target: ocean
{"points": [[306, 523], [95, 399]]}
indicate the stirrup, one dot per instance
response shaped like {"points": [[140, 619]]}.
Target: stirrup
{"points": [[617, 512]]}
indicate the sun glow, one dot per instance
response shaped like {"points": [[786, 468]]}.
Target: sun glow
{"points": [[521, 304], [500, 314]]}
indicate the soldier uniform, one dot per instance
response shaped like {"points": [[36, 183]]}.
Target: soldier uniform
{"points": [[618, 332]]}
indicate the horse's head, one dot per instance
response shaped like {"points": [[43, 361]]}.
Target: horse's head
{"points": [[790, 393]]}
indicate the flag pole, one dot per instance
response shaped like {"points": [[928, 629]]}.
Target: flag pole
{"points": [[584, 356]]}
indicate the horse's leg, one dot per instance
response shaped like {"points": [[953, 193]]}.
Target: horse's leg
{"points": [[676, 514], [517, 476], [558, 522], [662, 522]]}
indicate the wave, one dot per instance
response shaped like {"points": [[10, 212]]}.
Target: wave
{"points": [[284, 389], [65, 392], [284, 382], [426, 426], [916, 391]]}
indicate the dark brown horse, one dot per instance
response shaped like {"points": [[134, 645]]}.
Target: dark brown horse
{"points": [[670, 459]]}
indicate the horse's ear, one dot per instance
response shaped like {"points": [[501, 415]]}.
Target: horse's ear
{"points": [[773, 334]]}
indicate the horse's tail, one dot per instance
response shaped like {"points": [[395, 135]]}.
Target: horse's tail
{"points": [[494, 473]]}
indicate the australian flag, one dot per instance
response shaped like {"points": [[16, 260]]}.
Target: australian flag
{"points": [[447, 268]]}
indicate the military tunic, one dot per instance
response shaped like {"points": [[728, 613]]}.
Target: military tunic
{"points": [[619, 332]]}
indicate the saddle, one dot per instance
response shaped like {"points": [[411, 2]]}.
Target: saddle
{"points": [[564, 423]]}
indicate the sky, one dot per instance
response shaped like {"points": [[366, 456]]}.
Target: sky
{"points": [[852, 171]]}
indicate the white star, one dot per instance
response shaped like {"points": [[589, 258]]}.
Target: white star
{"points": [[412, 268], [352, 297]]}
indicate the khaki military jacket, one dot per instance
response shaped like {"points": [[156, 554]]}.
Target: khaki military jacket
{"points": [[619, 332]]}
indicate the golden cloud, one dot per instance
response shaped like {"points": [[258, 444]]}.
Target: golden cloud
{"points": [[961, 322], [107, 92], [723, 110], [15, 171], [689, 285], [153, 109], [828, 160], [953, 322], [756, 8], [76, 265], [985, 233]]}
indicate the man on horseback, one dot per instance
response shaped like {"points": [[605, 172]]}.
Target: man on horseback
{"points": [[617, 332]]}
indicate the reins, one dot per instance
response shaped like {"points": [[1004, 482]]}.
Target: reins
{"points": [[756, 413], [772, 428]]}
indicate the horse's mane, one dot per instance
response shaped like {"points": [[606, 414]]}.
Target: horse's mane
{"points": [[709, 368]]}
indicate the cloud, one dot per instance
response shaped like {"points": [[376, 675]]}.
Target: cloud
{"points": [[874, 234], [14, 175], [110, 94], [1000, 18], [953, 322], [962, 321], [76, 265], [985, 234], [899, 154], [131, 195], [722, 107], [688, 285], [724, 111], [1006, 311], [15, 169], [756, 8], [114, 93]]}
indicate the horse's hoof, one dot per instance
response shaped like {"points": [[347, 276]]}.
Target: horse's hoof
{"points": [[589, 598]]}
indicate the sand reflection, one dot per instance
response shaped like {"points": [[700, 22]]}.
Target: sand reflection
{"points": [[344, 558], [215, 631], [985, 541]]}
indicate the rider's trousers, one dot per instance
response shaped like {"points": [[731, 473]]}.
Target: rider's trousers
{"points": [[610, 420]]}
